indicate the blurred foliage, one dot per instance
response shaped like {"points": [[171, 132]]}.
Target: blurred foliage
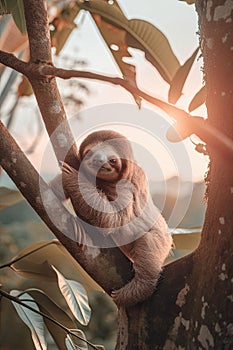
{"points": [[20, 227]]}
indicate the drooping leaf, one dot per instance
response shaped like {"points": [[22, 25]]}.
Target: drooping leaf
{"points": [[177, 84], [76, 298], [16, 8], [198, 99], [74, 343], [33, 321], [50, 308], [35, 260], [119, 49], [139, 34], [63, 25], [9, 197]]}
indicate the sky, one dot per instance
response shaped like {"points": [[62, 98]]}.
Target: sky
{"points": [[112, 107]]}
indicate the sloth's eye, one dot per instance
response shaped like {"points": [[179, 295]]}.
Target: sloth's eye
{"points": [[112, 161], [88, 154]]}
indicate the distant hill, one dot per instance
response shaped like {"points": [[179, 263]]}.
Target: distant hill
{"points": [[186, 197]]}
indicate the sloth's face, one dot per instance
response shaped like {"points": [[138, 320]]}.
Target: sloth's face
{"points": [[101, 161]]}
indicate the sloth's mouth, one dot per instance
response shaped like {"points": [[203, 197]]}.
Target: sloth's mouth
{"points": [[105, 167]]}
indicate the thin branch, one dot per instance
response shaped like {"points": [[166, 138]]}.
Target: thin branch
{"points": [[15, 260], [10, 60], [195, 125], [67, 330]]}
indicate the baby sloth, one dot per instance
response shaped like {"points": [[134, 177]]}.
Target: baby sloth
{"points": [[110, 194]]}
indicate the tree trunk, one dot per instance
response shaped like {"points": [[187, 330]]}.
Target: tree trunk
{"points": [[192, 308]]}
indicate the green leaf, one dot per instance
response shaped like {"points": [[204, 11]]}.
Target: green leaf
{"points": [[16, 8], [179, 79], [9, 197], [198, 99], [132, 33], [74, 343], [50, 308], [76, 297], [19, 17], [35, 262], [33, 321]]}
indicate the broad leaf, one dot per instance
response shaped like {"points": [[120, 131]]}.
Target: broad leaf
{"points": [[50, 308], [198, 99], [139, 34], [119, 49], [35, 261], [74, 343], [177, 84], [9, 197], [16, 8], [33, 321], [76, 297]]}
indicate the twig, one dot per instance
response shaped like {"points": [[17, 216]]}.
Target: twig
{"points": [[15, 260], [195, 125]]}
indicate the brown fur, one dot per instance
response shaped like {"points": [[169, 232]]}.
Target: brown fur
{"points": [[123, 209]]}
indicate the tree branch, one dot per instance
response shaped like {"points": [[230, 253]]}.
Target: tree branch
{"points": [[209, 134]]}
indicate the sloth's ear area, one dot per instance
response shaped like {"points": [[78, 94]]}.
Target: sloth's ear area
{"points": [[128, 169]]}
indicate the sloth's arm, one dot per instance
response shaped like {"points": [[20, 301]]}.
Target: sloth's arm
{"points": [[93, 205]]}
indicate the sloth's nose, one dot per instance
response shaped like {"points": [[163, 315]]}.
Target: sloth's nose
{"points": [[100, 158]]}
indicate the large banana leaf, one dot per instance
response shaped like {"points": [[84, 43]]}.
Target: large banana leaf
{"points": [[121, 33]]}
